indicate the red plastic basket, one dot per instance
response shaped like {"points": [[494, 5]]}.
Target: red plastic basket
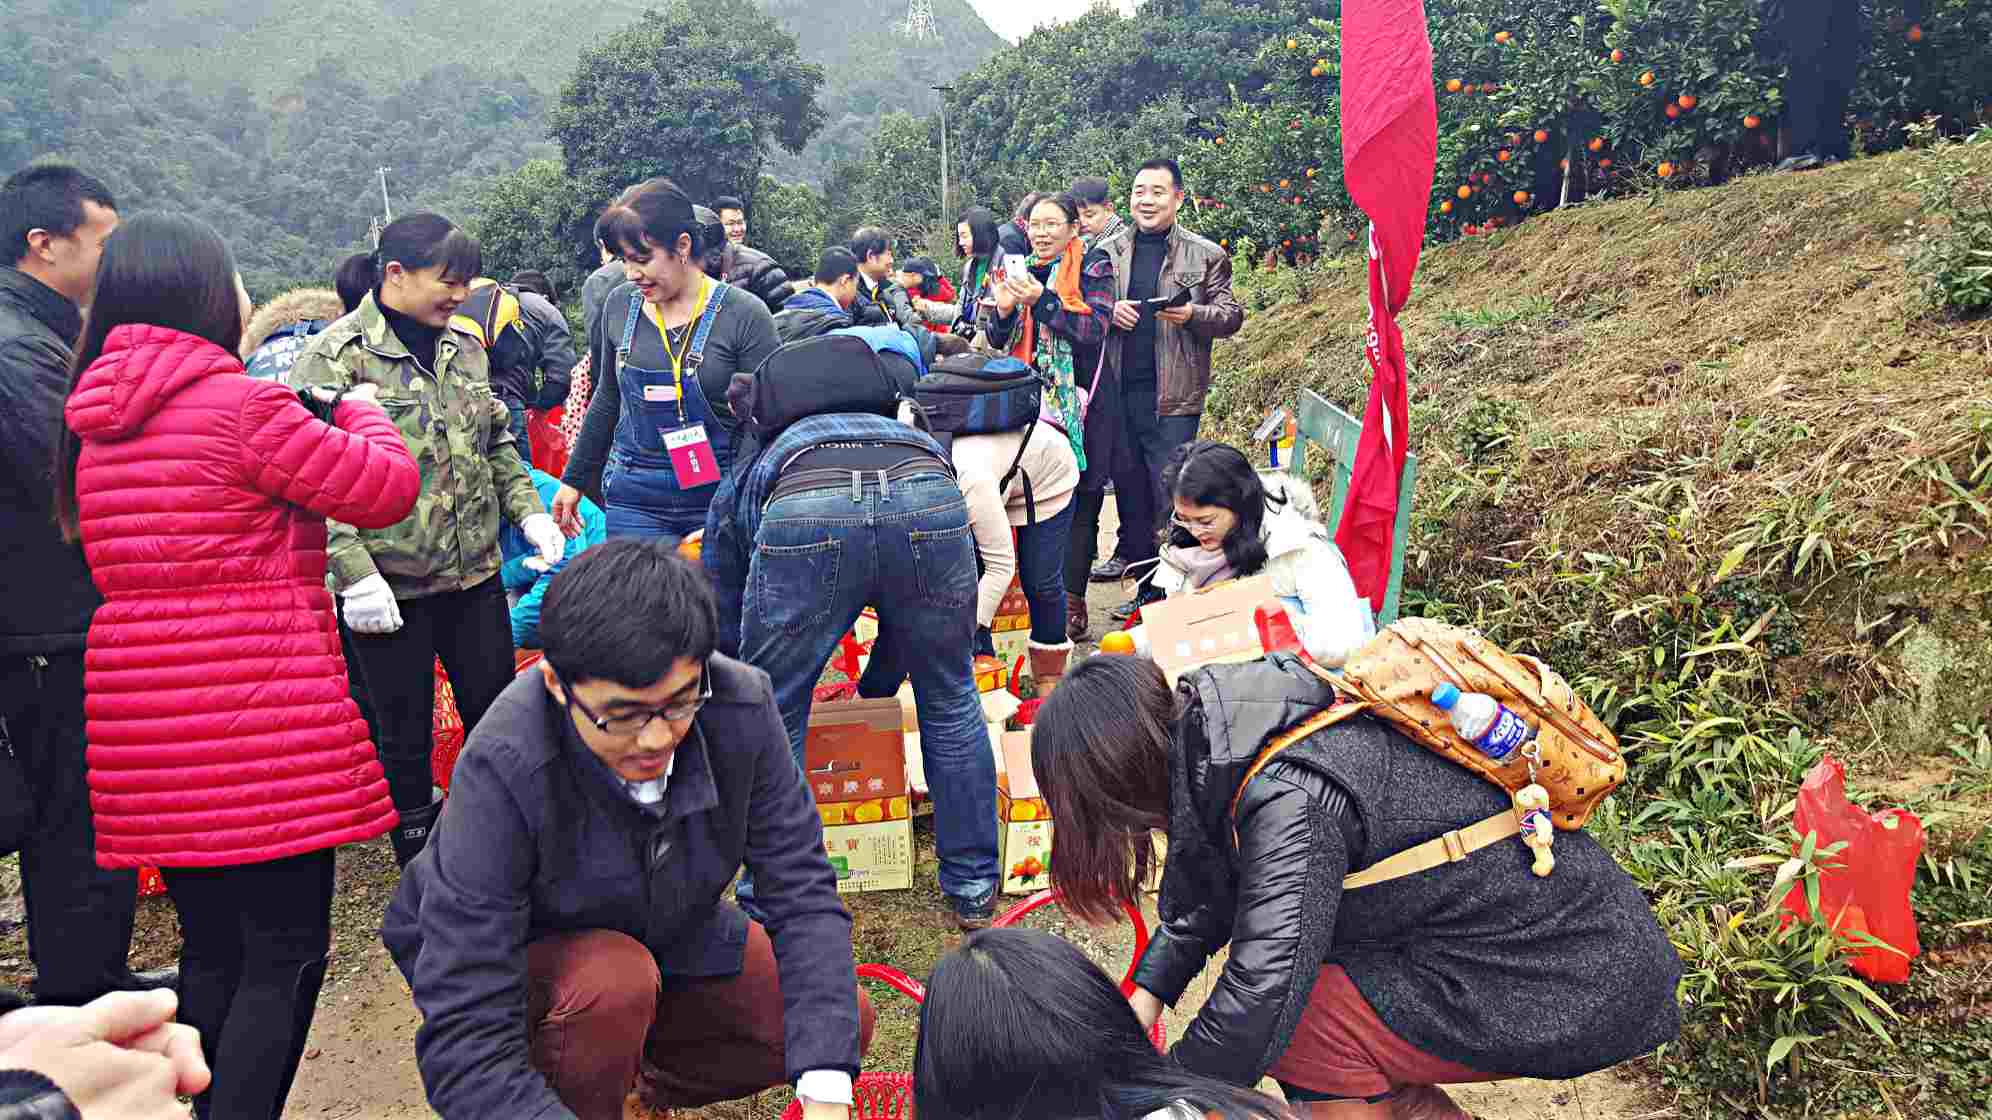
{"points": [[150, 882], [889, 1096]]}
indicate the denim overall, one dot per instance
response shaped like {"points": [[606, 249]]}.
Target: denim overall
{"points": [[639, 488]]}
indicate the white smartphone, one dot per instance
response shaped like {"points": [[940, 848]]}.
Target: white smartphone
{"points": [[1016, 264]]}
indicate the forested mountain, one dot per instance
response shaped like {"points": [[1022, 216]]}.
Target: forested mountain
{"points": [[269, 119]]}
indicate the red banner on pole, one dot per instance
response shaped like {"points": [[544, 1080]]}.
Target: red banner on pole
{"points": [[1390, 143]]}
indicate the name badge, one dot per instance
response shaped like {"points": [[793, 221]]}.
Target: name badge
{"points": [[660, 393], [691, 456]]}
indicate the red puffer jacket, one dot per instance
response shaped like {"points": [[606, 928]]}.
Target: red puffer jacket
{"points": [[219, 723]]}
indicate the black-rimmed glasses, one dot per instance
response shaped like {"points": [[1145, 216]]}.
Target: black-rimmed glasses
{"points": [[628, 726]]}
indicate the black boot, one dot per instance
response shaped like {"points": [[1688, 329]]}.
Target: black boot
{"points": [[411, 833]]}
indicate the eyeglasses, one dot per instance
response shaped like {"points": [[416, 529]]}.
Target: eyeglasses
{"points": [[1201, 524], [1048, 227], [628, 726]]}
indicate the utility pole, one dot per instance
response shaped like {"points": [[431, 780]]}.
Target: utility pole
{"points": [[944, 91], [384, 206]]}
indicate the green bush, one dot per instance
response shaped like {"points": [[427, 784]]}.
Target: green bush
{"points": [[1952, 258]]}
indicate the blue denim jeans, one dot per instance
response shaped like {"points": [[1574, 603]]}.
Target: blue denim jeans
{"points": [[645, 502], [519, 434], [820, 557]]}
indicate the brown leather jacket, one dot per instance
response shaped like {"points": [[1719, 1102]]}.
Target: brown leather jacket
{"points": [[1182, 354]]}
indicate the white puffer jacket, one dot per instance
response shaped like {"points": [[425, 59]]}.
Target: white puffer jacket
{"points": [[1307, 570]]}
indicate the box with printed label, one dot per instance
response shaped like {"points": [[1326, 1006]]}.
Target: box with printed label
{"points": [[1023, 820], [1206, 627], [869, 843], [1014, 612], [855, 751]]}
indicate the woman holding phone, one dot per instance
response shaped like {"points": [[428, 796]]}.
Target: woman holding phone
{"points": [[1053, 312]]}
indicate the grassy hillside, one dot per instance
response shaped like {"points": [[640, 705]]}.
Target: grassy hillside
{"points": [[1706, 453]]}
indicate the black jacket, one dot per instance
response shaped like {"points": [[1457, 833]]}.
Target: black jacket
{"points": [[538, 837], [885, 306], [46, 599], [26, 1095], [532, 365], [751, 270], [1478, 962]]}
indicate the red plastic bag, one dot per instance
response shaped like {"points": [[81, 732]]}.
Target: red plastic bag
{"points": [[549, 443], [1868, 891]]}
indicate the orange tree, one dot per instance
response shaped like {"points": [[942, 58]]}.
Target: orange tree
{"points": [[1271, 172], [1929, 58]]}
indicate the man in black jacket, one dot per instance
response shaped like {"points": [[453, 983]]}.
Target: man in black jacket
{"points": [[748, 269], [565, 925], [881, 302], [53, 223]]}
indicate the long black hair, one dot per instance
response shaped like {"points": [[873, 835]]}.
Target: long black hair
{"points": [[1100, 750], [1018, 1022], [160, 270], [1208, 473], [981, 223], [419, 240]]}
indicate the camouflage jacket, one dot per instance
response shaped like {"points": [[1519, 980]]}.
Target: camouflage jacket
{"points": [[458, 432]]}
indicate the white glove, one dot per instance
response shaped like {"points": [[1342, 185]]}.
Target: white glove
{"points": [[544, 534], [369, 606]]}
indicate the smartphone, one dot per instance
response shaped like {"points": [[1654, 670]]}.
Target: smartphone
{"points": [[1015, 264], [1158, 303]]}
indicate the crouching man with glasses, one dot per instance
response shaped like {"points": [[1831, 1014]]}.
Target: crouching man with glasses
{"points": [[564, 932]]}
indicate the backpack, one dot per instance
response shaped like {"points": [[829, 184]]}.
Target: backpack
{"points": [[1574, 761], [984, 394], [490, 311], [812, 376]]}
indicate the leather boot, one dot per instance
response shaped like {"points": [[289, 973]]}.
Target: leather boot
{"points": [[411, 833], [1048, 665], [1078, 623]]}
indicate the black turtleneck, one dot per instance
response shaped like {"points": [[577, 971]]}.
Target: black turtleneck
{"points": [[1144, 277], [419, 338]]}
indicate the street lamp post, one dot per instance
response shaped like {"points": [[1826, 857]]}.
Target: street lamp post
{"points": [[944, 91]]}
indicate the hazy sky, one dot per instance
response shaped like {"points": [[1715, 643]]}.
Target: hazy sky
{"points": [[1013, 19]]}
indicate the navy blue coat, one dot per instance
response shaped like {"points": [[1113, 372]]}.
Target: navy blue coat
{"points": [[538, 838]]}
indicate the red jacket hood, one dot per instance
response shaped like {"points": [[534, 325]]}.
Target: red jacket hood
{"points": [[142, 367]]}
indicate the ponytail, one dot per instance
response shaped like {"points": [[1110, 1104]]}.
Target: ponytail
{"points": [[358, 275], [419, 240]]}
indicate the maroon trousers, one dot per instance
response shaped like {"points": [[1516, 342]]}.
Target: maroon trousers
{"points": [[600, 1013]]}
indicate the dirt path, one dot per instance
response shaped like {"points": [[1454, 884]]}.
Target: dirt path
{"points": [[361, 1060]]}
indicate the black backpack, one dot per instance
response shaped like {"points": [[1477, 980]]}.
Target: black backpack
{"points": [[982, 394], [827, 373]]}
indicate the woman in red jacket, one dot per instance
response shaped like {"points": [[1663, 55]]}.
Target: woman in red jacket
{"points": [[224, 747]]}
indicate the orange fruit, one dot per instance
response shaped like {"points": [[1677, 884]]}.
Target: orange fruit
{"points": [[1751, 121], [1465, 192], [1542, 136], [1915, 33], [1219, 140], [1665, 170], [1597, 144], [1317, 72], [1293, 44], [1453, 86], [1618, 56], [1283, 184], [1686, 101], [1521, 198], [1604, 162], [1504, 155], [1287, 244], [1646, 79], [1502, 36], [1310, 172], [1446, 207], [1673, 112]]}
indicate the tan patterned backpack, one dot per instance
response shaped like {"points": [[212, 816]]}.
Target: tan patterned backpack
{"points": [[1572, 764]]}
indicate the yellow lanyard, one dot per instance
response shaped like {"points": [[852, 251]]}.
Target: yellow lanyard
{"points": [[677, 359]]}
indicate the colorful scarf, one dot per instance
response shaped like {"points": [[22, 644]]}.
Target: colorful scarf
{"points": [[1050, 353]]}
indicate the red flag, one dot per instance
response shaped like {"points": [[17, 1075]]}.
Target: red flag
{"points": [[1390, 140]]}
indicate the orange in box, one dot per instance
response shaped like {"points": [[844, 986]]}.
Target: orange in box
{"points": [[855, 751], [1024, 831], [865, 812]]}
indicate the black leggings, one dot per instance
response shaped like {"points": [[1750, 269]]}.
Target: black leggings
{"points": [[472, 632], [255, 939]]}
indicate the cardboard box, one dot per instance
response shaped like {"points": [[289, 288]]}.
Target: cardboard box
{"points": [[1014, 612], [866, 628], [1023, 820], [1011, 645], [869, 843], [855, 751], [1207, 627]]}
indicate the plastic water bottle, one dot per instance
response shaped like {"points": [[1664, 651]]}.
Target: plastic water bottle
{"points": [[1483, 721]]}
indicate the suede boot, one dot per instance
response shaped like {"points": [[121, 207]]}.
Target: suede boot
{"points": [[1078, 622], [1048, 665]]}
